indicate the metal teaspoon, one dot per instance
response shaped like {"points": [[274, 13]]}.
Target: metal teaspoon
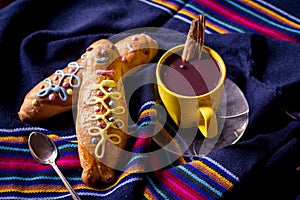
{"points": [[43, 149]]}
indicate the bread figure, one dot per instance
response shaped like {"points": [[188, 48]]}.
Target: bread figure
{"points": [[102, 114], [58, 92]]}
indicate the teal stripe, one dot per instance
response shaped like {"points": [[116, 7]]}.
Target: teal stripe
{"points": [[137, 156], [215, 20], [180, 1], [21, 130], [14, 149], [156, 189], [37, 178], [26, 150], [66, 146], [207, 177], [145, 123], [200, 180], [262, 18]]}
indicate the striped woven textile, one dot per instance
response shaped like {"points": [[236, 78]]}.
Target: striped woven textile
{"points": [[231, 16], [21, 177]]}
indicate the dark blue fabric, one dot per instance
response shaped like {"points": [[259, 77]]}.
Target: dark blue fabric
{"points": [[38, 37]]}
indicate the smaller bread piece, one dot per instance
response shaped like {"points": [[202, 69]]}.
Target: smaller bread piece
{"points": [[137, 49], [58, 92], [102, 119]]}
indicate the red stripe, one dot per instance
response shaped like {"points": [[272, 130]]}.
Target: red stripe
{"points": [[177, 186], [225, 12]]}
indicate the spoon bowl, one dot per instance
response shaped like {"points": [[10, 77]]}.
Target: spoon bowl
{"points": [[43, 149]]}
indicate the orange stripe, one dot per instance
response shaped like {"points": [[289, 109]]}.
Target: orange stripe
{"points": [[39, 188], [212, 26], [148, 112], [213, 174], [131, 170], [13, 139], [192, 15], [272, 14], [134, 169], [167, 4], [24, 139], [149, 195]]}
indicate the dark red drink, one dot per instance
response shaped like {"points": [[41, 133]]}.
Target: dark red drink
{"points": [[195, 77]]}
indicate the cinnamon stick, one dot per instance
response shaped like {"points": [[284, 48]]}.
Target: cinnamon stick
{"points": [[195, 39]]}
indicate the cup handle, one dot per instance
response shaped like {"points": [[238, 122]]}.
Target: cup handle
{"points": [[209, 126]]}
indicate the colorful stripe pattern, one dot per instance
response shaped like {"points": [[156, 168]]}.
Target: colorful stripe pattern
{"points": [[199, 179], [232, 16], [24, 178], [188, 178]]}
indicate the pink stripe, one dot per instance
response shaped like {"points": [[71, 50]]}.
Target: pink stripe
{"points": [[225, 12], [29, 164], [177, 186], [69, 162], [22, 164], [143, 140]]}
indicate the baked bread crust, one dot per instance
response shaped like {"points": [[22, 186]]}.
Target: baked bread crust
{"points": [[59, 92], [101, 123]]}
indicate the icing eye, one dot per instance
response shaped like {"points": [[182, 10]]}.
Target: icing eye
{"points": [[145, 51], [112, 47], [103, 52], [89, 49]]}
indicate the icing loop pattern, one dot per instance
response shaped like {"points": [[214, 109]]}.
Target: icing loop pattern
{"points": [[105, 120], [104, 137], [60, 87]]}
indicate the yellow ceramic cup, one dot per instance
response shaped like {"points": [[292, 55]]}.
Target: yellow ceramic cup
{"points": [[191, 111]]}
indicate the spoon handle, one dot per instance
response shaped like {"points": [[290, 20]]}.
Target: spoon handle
{"points": [[64, 180]]}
